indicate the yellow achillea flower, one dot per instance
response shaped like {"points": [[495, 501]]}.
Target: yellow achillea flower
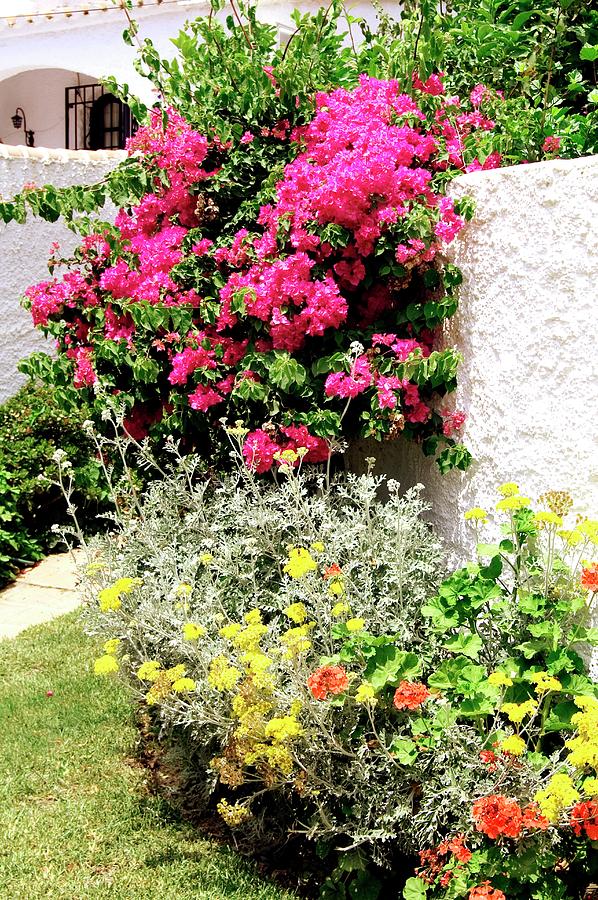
{"points": [[286, 456], [583, 748], [518, 711], [283, 728], [355, 624], [558, 794], [317, 547], [296, 640], [183, 685], [513, 503], [513, 745], [111, 646], [296, 612], [500, 679], [543, 517], [339, 609], [573, 538], [590, 786], [183, 589], [230, 631], [545, 682], [192, 632], [253, 617], [221, 675], [164, 682], [508, 489], [206, 558], [336, 588], [589, 528], [105, 665], [233, 813], [300, 562], [476, 513], [110, 598], [149, 670], [365, 693]]}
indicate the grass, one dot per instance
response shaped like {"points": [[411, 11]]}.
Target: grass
{"points": [[76, 819]]}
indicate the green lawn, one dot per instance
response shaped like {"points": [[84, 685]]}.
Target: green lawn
{"points": [[75, 819]]}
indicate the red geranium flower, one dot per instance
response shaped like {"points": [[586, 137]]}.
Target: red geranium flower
{"points": [[589, 577], [495, 815], [584, 817], [490, 758], [410, 695], [485, 891], [327, 680], [333, 571]]}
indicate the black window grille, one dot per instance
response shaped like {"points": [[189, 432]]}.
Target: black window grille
{"points": [[96, 119]]}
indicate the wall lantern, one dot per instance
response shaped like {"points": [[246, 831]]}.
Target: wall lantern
{"points": [[20, 120]]}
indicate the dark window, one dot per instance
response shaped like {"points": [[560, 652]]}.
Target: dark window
{"points": [[95, 119]]}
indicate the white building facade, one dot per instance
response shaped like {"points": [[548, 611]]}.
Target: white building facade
{"points": [[53, 54]]}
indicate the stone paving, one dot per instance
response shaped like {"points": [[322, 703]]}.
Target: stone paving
{"points": [[40, 594]]}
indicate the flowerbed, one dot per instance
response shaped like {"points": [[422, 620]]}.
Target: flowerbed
{"points": [[325, 681]]}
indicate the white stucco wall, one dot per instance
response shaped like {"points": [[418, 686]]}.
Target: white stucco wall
{"points": [[24, 249], [527, 327]]}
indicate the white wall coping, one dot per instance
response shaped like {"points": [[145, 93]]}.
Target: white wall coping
{"points": [[57, 155]]}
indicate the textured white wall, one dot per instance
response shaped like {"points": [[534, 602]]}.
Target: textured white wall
{"points": [[527, 327], [24, 249]]}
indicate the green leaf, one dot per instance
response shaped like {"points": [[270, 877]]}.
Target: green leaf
{"points": [[390, 665], [286, 372], [404, 750], [589, 52], [415, 889], [468, 644]]}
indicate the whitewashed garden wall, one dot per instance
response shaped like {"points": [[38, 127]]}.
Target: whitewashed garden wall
{"points": [[527, 327], [24, 249]]}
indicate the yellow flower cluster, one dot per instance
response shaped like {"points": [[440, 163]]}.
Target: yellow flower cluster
{"points": [[513, 745], [283, 728], [513, 503], [477, 514], [110, 598], [256, 665], [249, 638], [545, 682], [355, 624], [183, 589], [221, 675], [518, 711], [500, 679], [545, 517], [296, 612], [558, 794], [296, 640], [192, 632], [106, 664], [365, 693], [590, 786], [233, 813], [299, 563], [164, 681], [508, 489], [583, 749], [339, 609]]}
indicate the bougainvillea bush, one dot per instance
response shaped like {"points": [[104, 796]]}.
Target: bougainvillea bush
{"points": [[277, 258], [298, 644]]}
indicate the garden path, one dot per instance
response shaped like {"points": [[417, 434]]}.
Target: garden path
{"points": [[40, 594]]}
